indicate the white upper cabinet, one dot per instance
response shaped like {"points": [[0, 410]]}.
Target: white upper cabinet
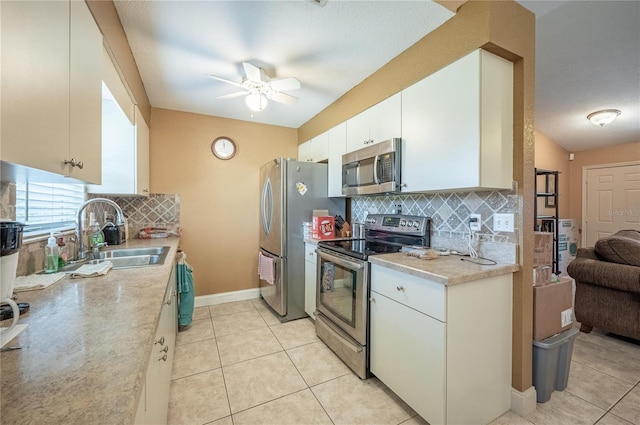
{"points": [[142, 154], [337, 148], [381, 122], [85, 105], [457, 127], [315, 150], [51, 87], [125, 139]]}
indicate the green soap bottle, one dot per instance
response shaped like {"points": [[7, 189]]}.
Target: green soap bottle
{"points": [[51, 254]]}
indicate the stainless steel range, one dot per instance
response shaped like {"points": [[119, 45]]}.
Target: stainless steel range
{"points": [[342, 282]]}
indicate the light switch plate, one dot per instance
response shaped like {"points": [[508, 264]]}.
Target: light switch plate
{"points": [[503, 223]]}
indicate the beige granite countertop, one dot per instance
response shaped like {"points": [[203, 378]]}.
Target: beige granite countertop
{"points": [[448, 270], [86, 348]]}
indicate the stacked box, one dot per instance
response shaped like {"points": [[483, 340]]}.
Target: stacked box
{"points": [[542, 258], [567, 244], [552, 308]]}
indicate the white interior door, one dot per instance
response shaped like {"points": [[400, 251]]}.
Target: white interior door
{"points": [[611, 199]]}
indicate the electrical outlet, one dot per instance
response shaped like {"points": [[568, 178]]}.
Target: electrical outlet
{"points": [[503, 223], [475, 222]]}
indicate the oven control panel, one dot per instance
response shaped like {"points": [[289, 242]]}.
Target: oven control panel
{"points": [[398, 223]]}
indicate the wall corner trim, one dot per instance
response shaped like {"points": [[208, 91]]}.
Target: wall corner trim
{"points": [[523, 403]]}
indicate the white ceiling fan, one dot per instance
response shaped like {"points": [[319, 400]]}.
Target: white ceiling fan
{"points": [[259, 88]]}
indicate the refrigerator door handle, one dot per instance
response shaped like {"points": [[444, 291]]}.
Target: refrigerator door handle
{"points": [[267, 206]]}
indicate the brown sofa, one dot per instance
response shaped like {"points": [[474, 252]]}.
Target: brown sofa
{"points": [[608, 284]]}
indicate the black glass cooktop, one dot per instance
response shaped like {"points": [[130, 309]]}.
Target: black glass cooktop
{"points": [[362, 248]]}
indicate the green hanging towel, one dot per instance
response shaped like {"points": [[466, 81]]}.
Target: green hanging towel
{"points": [[186, 292]]}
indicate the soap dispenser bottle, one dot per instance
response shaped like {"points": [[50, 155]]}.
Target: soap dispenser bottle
{"points": [[96, 239], [51, 254]]}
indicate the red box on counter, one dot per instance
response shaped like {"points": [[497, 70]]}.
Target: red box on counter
{"points": [[323, 227]]}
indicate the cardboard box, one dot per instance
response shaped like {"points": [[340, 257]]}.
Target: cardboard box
{"points": [[543, 249], [552, 308], [567, 244], [323, 227], [541, 275]]}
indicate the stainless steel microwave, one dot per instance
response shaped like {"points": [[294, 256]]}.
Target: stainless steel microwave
{"points": [[374, 169]]}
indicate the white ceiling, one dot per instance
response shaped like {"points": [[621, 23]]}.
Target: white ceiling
{"points": [[328, 49], [588, 56]]}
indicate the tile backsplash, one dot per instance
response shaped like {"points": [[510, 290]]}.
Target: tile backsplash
{"points": [[7, 201], [156, 210], [449, 214]]}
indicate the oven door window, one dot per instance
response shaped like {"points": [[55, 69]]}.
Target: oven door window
{"points": [[338, 289]]}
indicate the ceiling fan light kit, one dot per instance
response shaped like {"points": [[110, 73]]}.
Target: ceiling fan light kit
{"points": [[256, 101], [259, 89], [603, 117]]}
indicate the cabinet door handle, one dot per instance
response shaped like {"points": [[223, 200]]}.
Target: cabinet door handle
{"points": [[72, 162], [163, 358], [159, 341], [400, 288], [145, 190]]}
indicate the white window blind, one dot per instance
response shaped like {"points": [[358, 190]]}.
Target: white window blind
{"points": [[46, 207]]}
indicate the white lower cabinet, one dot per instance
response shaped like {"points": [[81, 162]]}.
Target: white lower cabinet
{"points": [[310, 279], [154, 400], [444, 350]]}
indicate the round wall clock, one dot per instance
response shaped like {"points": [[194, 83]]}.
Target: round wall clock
{"points": [[224, 148]]}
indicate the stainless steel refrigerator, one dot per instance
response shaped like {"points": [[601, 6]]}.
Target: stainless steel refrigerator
{"points": [[290, 191]]}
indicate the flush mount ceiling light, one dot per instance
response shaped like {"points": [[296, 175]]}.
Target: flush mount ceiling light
{"points": [[603, 117]]}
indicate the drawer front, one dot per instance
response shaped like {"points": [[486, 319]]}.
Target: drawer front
{"points": [[310, 252], [420, 294]]}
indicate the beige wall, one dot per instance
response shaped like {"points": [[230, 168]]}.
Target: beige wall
{"points": [[219, 199], [550, 156], [611, 155]]}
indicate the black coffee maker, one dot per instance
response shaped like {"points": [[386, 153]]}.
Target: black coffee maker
{"points": [[10, 243]]}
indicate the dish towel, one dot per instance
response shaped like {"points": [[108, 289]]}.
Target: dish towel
{"points": [[36, 281], [92, 270], [186, 291], [265, 268]]}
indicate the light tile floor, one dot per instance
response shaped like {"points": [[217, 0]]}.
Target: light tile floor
{"points": [[237, 364]]}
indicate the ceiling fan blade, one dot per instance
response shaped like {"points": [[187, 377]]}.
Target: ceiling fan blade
{"points": [[285, 84], [232, 95], [252, 72], [287, 99], [224, 80]]}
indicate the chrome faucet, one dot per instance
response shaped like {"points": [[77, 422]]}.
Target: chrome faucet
{"points": [[79, 230]]}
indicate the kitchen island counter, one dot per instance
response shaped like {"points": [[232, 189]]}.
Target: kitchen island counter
{"points": [[84, 354], [448, 270]]}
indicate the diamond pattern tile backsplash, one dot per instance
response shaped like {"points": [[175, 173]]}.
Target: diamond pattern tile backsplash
{"points": [[449, 213], [156, 210]]}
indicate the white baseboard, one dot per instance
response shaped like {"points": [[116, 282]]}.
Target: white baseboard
{"points": [[226, 297], [523, 403]]}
